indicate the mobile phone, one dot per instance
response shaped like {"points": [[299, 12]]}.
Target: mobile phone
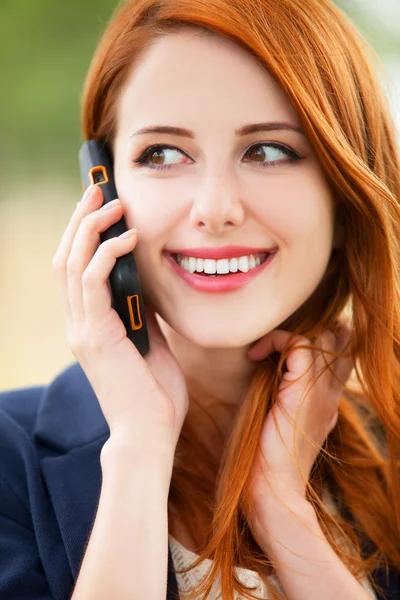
{"points": [[97, 168]]}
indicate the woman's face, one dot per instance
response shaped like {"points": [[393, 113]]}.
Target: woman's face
{"points": [[222, 188]]}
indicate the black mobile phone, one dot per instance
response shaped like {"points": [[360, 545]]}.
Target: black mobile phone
{"points": [[96, 168]]}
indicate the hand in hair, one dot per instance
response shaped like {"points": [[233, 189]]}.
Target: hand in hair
{"points": [[314, 407]]}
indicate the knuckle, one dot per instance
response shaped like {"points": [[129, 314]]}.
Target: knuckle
{"points": [[81, 342], [73, 344], [329, 336], [57, 263], [300, 340], [88, 277], [107, 245], [89, 219], [87, 225], [72, 267]]}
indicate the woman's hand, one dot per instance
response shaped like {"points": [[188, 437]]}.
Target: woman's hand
{"points": [[144, 400], [317, 413], [283, 522]]}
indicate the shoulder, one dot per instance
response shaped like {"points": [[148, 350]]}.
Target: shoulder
{"points": [[58, 416], [39, 422], [50, 439]]}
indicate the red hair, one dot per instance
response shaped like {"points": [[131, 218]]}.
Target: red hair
{"points": [[327, 71]]}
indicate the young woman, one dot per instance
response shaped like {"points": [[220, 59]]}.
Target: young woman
{"points": [[253, 453]]}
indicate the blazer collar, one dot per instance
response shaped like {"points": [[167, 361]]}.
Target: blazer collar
{"points": [[71, 423]]}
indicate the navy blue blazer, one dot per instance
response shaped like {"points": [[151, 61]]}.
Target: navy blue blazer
{"points": [[50, 481]]}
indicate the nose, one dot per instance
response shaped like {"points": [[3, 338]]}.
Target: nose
{"points": [[217, 205]]}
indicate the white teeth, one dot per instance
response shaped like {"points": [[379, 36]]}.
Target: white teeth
{"points": [[244, 263], [216, 266], [234, 265], [193, 265], [222, 266]]}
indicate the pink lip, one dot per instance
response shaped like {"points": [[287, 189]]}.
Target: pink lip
{"points": [[225, 283]]}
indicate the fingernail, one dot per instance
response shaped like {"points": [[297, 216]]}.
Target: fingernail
{"points": [[112, 204], [129, 233]]}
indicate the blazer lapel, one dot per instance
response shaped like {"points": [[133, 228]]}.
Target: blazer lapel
{"points": [[72, 425]]}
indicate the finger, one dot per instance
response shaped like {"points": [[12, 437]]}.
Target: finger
{"points": [[96, 293], [299, 360], [84, 246], [327, 342], [343, 337], [264, 346], [326, 401], [267, 344], [90, 198]]}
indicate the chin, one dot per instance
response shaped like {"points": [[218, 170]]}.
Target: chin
{"points": [[211, 336]]}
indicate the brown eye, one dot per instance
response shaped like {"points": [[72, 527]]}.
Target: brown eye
{"points": [[256, 153], [160, 153], [158, 156], [265, 153]]}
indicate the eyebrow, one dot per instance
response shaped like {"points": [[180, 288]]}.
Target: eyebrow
{"points": [[245, 130]]}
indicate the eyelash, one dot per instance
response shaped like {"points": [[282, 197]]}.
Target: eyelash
{"points": [[141, 161]]}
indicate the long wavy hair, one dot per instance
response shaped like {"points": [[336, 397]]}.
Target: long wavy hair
{"points": [[330, 75]]}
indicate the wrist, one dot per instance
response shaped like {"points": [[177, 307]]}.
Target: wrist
{"points": [[279, 514], [277, 504], [120, 456]]}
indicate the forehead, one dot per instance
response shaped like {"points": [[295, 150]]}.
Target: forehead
{"points": [[188, 76]]}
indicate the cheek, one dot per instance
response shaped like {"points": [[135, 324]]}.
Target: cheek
{"points": [[147, 197], [152, 206], [297, 214]]}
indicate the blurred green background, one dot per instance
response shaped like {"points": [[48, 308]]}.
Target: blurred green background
{"points": [[45, 51]]}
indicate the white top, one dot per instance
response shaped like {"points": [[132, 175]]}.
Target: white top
{"points": [[182, 558]]}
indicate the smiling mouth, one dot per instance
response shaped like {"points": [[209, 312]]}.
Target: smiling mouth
{"points": [[262, 256]]}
